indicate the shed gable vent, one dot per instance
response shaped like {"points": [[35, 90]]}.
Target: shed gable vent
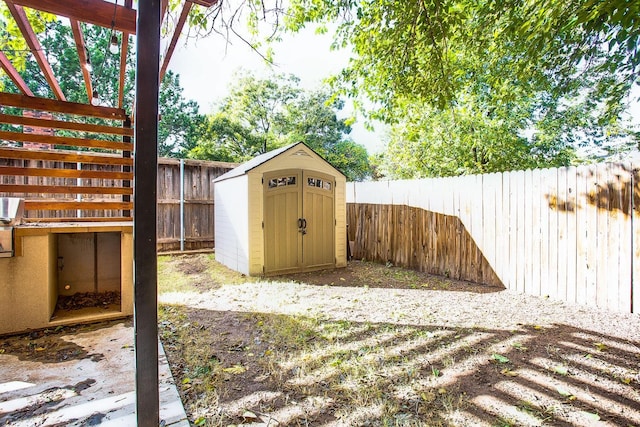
{"points": [[301, 153]]}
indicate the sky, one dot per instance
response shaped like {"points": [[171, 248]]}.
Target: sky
{"points": [[207, 66]]}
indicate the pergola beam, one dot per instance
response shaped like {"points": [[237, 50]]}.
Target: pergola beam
{"points": [[53, 105], [97, 12], [174, 38], [29, 35], [13, 74], [82, 55], [124, 46]]}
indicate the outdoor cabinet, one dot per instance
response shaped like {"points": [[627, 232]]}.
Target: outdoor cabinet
{"points": [[65, 273], [281, 212]]}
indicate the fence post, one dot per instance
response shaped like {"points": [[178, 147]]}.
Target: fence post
{"points": [[181, 204]]}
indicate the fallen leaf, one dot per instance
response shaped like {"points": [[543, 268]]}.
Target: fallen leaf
{"points": [[186, 380], [442, 390], [235, 369], [600, 346], [537, 327], [560, 370], [519, 346], [500, 358], [565, 393], [626, 380], [199, 421], [249, 416], [508, 372], [39, 348]]}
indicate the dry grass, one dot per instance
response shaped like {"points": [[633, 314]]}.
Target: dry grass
{"points": [[243, 367]]}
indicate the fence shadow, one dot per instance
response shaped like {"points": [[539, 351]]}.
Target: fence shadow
{"points": [[418, 239], [298, 370]]}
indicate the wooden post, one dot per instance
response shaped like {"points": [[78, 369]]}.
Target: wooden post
{"points": [[145, 213]]}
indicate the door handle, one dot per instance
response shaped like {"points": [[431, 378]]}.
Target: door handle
{"points": [[300, 223], [302, 226]]}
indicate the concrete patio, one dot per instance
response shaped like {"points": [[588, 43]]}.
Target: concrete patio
{"points": [[76, 376]]}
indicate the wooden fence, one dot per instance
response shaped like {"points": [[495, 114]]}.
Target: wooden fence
{"points": [[196, 203], [185, 212], [568, 233]]}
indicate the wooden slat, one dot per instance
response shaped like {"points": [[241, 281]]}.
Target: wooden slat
{"points": [[81, 219], [174, 38], [635, 236], [29, 35], [591, 236], [97, 12], [583, 242], [52, 205], [602, 240], [63, 189], [549, 186], [64, 173], [52, 105], [67, 125], [69, 156], [562, 227], [13, 74], [63, 140], [572, 236], [205, 3], [82, 55]]}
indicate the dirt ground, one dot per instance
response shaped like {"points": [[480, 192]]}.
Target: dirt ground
{"points": [[378, 345]]}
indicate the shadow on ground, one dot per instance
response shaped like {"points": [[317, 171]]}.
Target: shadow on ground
{"points": [[297, 370]]}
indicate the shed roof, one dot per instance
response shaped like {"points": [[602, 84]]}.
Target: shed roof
{"points": [[261, 159]]}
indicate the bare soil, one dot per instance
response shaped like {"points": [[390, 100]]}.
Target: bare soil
{"points": [[378, 345]]}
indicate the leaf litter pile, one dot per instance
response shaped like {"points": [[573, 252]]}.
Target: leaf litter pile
{"points": [[376, 345]]}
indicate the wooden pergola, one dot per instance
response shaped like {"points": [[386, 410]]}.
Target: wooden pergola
{"points": [[111, 179]]}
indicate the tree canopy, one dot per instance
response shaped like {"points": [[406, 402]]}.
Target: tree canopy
{"points": [[545, 77], [261, 114]]}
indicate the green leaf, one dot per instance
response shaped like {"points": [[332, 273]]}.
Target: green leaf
{"points": [[499, 358]]}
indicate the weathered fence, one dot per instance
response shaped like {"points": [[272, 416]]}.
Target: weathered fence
{"points": [[568, 233], [185, 203], [185, 193]]}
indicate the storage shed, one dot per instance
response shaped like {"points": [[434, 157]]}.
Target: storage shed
{"points": [[281, 212]]}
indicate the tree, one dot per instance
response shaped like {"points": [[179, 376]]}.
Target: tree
{"points": [[568, 67], [262, 114], [180, 122]]}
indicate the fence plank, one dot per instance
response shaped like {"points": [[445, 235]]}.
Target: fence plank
{"points": [[572, 236], [549, 240], [537, 201], [561, 292], [602, 218], [635, 212]]}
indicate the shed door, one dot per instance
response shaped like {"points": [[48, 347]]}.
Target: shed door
{"points": [[299, 221]]}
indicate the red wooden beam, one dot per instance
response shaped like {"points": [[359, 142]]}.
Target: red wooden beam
{"points": [[124, 45], [205, 3], [29, 35], [97, 12], [82, 55], [8, 68], [174, 38], [46, 104]]}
